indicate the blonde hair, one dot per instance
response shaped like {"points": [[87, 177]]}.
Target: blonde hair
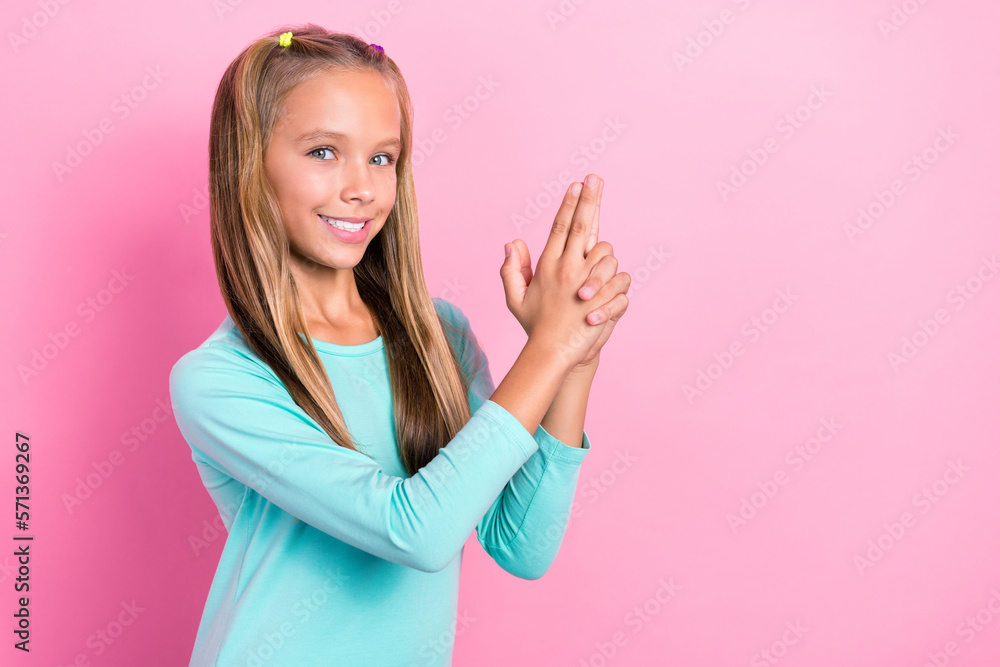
{"points": [[251, 250]]}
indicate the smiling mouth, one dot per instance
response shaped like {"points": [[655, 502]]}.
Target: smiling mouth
{"points": [[345, 225]]}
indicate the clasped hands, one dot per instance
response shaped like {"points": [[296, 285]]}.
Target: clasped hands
{"points": [[572, 258]]}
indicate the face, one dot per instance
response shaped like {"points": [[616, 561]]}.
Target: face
{"points": [[332, 161]]}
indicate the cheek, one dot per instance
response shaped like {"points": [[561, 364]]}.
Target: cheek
{"points": [[284, 188], [305, 187], [388, 195]]}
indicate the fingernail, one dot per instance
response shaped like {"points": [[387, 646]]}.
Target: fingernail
{"points": [[506, 250], [591, 181], [594, 318], [586, 292], [576, 188]]}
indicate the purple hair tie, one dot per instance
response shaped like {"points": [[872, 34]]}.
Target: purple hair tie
{"points": [[377, 48]]}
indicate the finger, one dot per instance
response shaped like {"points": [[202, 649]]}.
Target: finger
{"points": [[602, 272], [612, 298], [596, 226], [525, 259], [583, 217], [514, 285], [609, 312], [606, 330], [556, 242]]}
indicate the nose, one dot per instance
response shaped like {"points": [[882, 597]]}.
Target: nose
{"points": [[357, 186]]}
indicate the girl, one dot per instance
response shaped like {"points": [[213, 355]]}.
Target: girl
{"points": [[344, 422]]}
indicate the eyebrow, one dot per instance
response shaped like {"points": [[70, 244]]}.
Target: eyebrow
{"points": [[316, 135]]}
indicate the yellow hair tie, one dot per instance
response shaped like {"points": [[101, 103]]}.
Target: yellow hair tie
{"points": [[285, 39]]}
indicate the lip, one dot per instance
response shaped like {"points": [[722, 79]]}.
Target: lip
{"points": [[359, 236]]}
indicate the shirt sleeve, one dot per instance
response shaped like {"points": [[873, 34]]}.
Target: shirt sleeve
{"points": [[524, 527], [236, 415]]}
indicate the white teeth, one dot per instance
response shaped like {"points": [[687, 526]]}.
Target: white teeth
{"points": [[342, 224]]}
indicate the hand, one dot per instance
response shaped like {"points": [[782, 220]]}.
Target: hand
{"points": [[574, 260], [604, 316]]}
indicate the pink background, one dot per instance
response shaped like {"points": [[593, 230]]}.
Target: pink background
{"points": [[842, 547]]}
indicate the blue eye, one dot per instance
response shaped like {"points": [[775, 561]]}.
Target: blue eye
{"points": [[389, 159], [317, 150]]}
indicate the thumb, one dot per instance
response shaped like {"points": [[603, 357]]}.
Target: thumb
{"points": [[514, 285]]}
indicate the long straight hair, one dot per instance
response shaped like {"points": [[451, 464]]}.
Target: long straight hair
{"points": [[251, 250]]}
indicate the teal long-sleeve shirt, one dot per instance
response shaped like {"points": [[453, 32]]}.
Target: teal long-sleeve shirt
{"points": [[338, 557]]}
